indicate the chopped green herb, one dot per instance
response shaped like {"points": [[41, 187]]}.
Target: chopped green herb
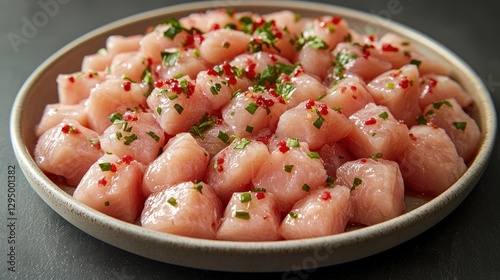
{"points": [[249, 129], [246, 25], [314, 42], [172, 201], [251, 108], [242, 143], [129, 139], [313, 155], [106, 203], [174, 29], [242, 215], [421, 120], [342, 58], [306, 188], [384, 115], [389, 85], [118, 135], [245, 197], [115, 117], [356, 183], [198, 187], [330, 182], [292, 142], [415, 62], [438, 104], [215, 88], [178, 108], [224, 137], [460, 125], [105, 166], [288, 168], [377, 156], [158, 110], [170, 58], [259, 190], [153, 135], [319, 121], [293, 215]]}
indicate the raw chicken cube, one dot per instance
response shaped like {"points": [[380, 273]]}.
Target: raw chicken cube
{"points": [[323, 212], [67, 150], [431, 164], [112, 186], [74, 88], [182, 160], [377, 133], [251, 216], [187, 209], [233, 168], [377, 189], [435, 88], [55, 113], [290, 172]]}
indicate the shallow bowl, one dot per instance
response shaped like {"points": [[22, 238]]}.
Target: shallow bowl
{"points": [[242, 256]]}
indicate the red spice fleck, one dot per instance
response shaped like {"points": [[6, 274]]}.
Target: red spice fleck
{"points": [[273, 57], [401, 122], [297, 71], [127, 86], [158, 83], [343, 89], [113, 167], [127, 159], [371, 38], [198, 37], [215, 26], [96, 145], [363, 160], [432, 82], [189, 41], [250, 69], [69, 129], [260, 195], [354, 97], [102, 182], [404, 83], [354, 88], [412, 137], [283, 147], [264, 217], [432, 125], [212, 72], [128, 117], [366, 54], [323, 109], [220, 168], [232, 80], [90, 75], [227, 68], [389, 48], [149, 61], [336, 20], [71, 79], [370, 121], [326, 195], [219, 121], [310, 103], [220, 160]]}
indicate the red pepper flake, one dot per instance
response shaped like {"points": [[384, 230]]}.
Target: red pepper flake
{"points": [[323, 109], [90, 75], [113, 167], [219, 163], [370, 121], [232, 80], [354, 97], [371, 38], [198, 37], [283, 147], [220, 160], [215, 26], [69, 129], [102, 182], [366, 54], [432, 125], [127, 159], [412, 137], [298, 70], [404, 83], [273, 57], [354, 88], [149, 61], [250, 69], [401, 122], [219, 121], [432, 82], [189, 41], [129, 117], [212, 72], [363, 160], [220, 168], [260, 195], [309, 104], [336, 20], [158, 83], [389, 48], [127, 86], [343, 89], [326, 195], [71, 79]]}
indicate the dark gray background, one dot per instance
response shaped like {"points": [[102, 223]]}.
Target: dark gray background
{"points": [[465, 245]]}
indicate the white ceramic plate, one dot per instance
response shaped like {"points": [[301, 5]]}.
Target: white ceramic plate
{"points": [[241, 256]]}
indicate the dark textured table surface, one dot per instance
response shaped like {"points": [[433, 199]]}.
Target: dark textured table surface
{"points": [[465, 245]]}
